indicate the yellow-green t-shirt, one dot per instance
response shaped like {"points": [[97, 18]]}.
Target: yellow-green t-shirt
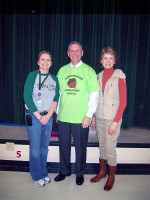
{"points": [[76, 84]]}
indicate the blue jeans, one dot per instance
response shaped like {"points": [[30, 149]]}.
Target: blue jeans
{"points": [[39, 138]]}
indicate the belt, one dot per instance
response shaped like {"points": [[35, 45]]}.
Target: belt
{"points": [[41, 113]]}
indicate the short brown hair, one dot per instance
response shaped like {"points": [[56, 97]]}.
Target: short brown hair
{"points": [[46, 52], [108, 50]]}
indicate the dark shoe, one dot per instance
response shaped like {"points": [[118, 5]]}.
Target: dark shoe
{"points": [[79, 180], [61, 177]]}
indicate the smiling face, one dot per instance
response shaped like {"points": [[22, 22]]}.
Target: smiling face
{"points": [[108, 61], [44, 63], [75, 53]]}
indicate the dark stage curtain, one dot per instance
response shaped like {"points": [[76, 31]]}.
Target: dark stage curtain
{"points": [[24, 35]]}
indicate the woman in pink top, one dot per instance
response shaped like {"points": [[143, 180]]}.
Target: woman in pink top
{"points": [[108, 117]]}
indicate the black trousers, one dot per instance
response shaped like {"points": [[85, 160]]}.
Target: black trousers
{"points": [[80, 137]]}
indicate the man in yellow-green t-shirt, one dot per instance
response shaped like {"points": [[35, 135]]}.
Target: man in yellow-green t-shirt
{"points": [[79, 96]]}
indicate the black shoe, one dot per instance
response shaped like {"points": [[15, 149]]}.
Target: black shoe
{"points": [[61, 177], [79, 180]]}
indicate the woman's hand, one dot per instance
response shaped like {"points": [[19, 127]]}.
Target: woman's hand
{"points": [[112, 128], [56, 118], [44, 119], [93, 124], [37, 114]]}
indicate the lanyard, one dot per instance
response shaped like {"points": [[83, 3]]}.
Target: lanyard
{"points": [[40, 84]]}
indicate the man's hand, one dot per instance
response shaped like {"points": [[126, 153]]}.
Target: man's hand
{"points": [[112, 128], [86, 122]]}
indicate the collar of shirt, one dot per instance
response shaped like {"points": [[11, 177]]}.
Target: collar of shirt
{"points": [[80, 63]]}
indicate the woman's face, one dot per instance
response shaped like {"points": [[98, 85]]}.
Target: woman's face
{"points": [[44, 63], [108, 61]]}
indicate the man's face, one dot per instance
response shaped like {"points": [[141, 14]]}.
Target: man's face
{"points": [[75, 53]]}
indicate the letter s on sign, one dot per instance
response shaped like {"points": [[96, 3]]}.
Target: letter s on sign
{"points": [[18, 154]]}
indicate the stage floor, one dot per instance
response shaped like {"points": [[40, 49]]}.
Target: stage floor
{"points": [[131, 135]]}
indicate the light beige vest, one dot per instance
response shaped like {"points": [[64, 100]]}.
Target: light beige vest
{"points": [[109, 101]]}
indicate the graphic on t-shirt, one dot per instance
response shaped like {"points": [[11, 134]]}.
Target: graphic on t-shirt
{"points": [[72, 83]]}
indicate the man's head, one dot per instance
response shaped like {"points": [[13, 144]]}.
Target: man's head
{"points": [[75, 52]]}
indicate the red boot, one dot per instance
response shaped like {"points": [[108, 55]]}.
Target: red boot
{"points": [[102, 173], [111, 178]]}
